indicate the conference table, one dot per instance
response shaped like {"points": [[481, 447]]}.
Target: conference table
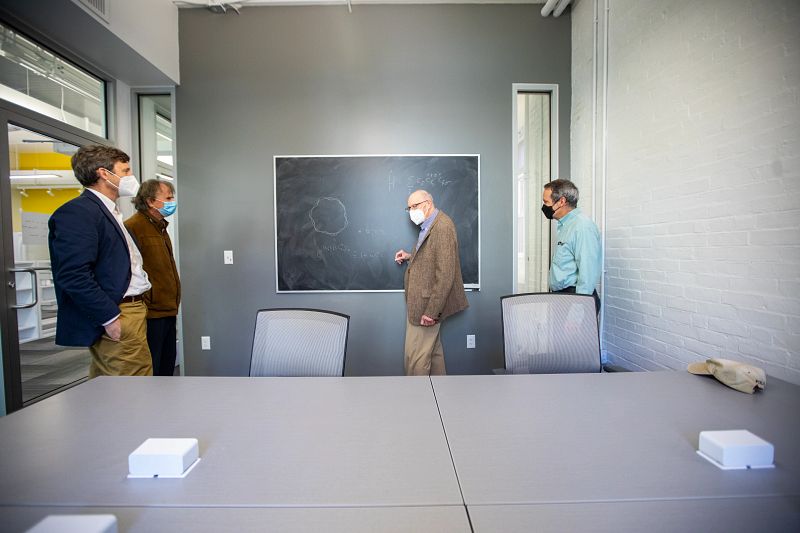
{"points": [[446, 453], [271, 442], [610, 437], [430, 519], [617, 452], [773, 514]]}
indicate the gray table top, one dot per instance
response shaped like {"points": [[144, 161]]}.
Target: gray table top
{"points": [[603, 437], [263, 442], [451, 519], [775, 513]]}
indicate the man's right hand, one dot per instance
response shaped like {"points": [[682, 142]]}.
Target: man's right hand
{"points": [[427, 321], [114, 330], [401, 256]]}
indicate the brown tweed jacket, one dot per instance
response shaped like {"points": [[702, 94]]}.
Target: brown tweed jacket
{"points": [[433, 278]]}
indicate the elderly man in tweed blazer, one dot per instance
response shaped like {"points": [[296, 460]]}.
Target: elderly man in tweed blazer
{"points": [[433, 285]]}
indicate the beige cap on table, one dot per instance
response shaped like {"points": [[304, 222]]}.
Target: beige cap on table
{"points": [[736, 375]]}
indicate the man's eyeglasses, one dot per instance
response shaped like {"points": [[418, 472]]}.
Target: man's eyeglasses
{"points": [[414, 206]]}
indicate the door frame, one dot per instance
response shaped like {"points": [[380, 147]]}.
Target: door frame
{"points": [[517, 89], [136, 94], [25, 118]]}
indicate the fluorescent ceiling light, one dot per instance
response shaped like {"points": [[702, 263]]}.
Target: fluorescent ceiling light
{"points": [[26, 187], [20, 177]]}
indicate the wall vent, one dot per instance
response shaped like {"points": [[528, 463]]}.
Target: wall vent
{"points": [[95, 7]]}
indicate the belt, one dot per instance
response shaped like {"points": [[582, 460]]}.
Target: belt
{"points": [[573, 290], [570, 290], [131, 299]]}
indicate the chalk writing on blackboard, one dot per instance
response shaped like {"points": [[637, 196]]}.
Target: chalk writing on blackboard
{"points": [[329, 216]]}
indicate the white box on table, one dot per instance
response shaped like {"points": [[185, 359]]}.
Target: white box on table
{"points": [[163, 457], [736, 449], [97, 523]]}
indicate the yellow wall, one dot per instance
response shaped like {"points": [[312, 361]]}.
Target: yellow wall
{"points": [[43, 161], [16, 207], [38, 201]]}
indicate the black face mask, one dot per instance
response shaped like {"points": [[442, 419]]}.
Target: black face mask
{"points": [[548, 211]]}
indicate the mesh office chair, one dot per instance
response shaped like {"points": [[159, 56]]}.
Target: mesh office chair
{"points": [[299, 342], [550, 333]]}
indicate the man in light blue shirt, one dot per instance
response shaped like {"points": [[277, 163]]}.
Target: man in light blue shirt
{"points": [[577, 263]]}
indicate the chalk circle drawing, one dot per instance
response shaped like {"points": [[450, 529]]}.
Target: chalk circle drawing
{"points": [[329, 216]]}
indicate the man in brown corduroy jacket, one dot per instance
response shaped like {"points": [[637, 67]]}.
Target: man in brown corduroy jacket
{"points": [[433, 285], [148, 226]]}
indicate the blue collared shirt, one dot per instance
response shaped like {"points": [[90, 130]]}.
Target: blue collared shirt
{"points": [[576, 259], [425, 226]]}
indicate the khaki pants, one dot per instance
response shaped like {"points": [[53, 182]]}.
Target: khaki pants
{"points": [[129, 356], [424, 353]]}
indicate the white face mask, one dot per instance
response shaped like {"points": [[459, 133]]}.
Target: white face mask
{"points": [[128, 186], [417, 216]]}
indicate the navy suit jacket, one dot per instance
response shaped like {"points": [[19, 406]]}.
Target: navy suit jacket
{"points": [[91, 268]]}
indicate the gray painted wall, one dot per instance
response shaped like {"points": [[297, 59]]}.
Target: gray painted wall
{"points": [[317, 80]]}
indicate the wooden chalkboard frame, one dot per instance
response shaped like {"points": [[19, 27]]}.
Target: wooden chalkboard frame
{"points": [[276, 158]]}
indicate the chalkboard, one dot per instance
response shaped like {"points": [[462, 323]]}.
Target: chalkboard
{"points": [[340, 219]]}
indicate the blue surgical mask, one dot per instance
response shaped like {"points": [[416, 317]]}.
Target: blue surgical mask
{"points": [[168, 209]]}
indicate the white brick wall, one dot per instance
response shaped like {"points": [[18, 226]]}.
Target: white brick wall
{"points": [[581, 106], [703, 187]]}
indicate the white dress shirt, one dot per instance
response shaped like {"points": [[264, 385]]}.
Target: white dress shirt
{"points": [[139, 282]]}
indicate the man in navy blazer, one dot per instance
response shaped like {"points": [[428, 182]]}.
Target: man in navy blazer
{"points": [[97, 268]]}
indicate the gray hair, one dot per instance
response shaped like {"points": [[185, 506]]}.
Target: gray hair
{"points": [[563, 189], [148, 191]]}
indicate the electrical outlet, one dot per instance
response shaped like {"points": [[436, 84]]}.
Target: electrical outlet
{"points": [[205, 343], [470, 341], [227, 256]]}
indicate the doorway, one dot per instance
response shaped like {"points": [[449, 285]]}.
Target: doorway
{"points": [[35, 179], [535, 118], [155, 158]]}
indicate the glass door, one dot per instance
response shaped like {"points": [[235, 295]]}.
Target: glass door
{"points": [[48, 107], [40, 181]]}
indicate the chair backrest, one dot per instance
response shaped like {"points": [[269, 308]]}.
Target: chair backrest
{"points": [[299, 342], [550, 333]]}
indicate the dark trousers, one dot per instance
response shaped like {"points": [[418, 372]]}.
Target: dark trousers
{"points": [[161, 336], [570, 290]]}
